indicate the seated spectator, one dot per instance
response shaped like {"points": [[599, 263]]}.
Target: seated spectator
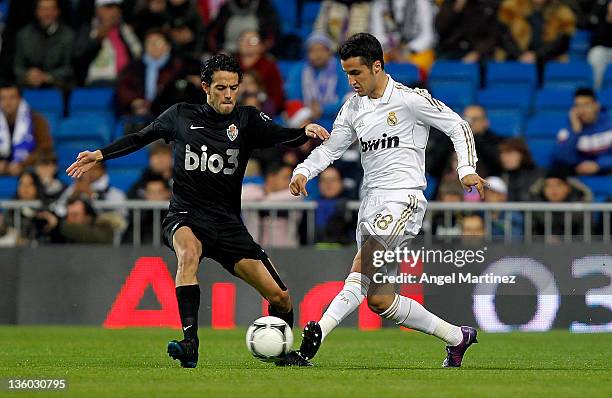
{"points": [[472, 229], [519, 171], [46, 170], [29, 188], [252, 57], [557, 187], [600, 54], [95, 185], [448, 223], [497, 192], [541, 29], [152, 15], [440, 147], [24, 133], [156, 188], [9, 237], [405, 28], [332, 224], [143, 79], [252, 93], [187, 87], [319, 82], [340, 19], [236, 16], [469, 30], [586, 146], [160, 164], [279, 231], [82, 224], [43, 54], [186, 29], [106, 46]]}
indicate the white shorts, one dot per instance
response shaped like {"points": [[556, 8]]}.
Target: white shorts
{"points": [[391, 216]]}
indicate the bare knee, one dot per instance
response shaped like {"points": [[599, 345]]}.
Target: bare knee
{"points": [[379, 303], [280, 300]]}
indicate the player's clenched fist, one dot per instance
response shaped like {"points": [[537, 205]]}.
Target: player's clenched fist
{"points": [[316, 131], [298, 185], [474, 180]]}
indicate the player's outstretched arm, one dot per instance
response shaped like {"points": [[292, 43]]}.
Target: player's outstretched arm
{"points": [[84, 162], [315, 131]]}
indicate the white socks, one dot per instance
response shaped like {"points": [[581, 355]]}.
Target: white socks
{"points": [[413, 315], [355, 289]]}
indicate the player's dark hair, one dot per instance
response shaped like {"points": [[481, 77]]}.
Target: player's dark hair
{"points": [[365, 46], [219, 62], [585, 92]]}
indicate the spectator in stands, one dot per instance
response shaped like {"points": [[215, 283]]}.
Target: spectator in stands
{"points": [[24, 133], [143, 79], [95, 185], [440, 148], [44, 49], [186, 29], [319, 82], [469, 30], [253, 57], [541, 29], [46, 170], [443, 224], [405, 29], [106, 46], [519, 171], [252, 93], [236, 16], [557, 187], [332, 225], [187, 87], [472, 229], [497, 192], [29, 188], [152, 15], [160, 164], [586, 146], [279, 231], [9, 237], [82, 224], [156, 188], [340, 19], [600, 55]]}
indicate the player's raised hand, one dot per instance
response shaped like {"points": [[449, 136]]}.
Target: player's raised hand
{"points": [[315, 131], [474, 180], [297, 185], [84, 162]]}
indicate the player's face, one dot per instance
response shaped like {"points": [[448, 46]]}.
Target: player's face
{"points": [[222, 92], [360, 76]]}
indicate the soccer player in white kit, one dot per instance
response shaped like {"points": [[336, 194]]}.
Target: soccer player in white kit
{"points": [[391, 122]]}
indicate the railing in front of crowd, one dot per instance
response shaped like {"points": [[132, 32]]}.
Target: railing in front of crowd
{"points": [[593, 218]]}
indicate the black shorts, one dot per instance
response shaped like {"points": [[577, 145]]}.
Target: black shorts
{"points": [[223, 235]]}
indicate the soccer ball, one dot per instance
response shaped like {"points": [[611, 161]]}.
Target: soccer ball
{"points": [[268, 338]]}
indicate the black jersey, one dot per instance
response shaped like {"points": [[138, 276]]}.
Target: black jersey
{"points": [[211, 150]]}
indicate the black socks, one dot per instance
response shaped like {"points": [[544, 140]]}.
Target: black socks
{"points": [[188, 298]]}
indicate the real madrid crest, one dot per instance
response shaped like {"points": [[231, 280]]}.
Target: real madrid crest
{"points": [[232, 132], [392, 119]]}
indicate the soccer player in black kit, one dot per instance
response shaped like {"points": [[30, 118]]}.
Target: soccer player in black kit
{"points": [[212, 144]]}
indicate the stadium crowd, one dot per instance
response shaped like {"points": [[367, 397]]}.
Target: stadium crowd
{"points": [[145, 55]]}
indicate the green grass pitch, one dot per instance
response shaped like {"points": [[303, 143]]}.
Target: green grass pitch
{"points": [[386, 363]]}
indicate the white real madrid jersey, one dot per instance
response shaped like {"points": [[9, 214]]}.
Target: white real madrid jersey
{"points": [[392, 132]]}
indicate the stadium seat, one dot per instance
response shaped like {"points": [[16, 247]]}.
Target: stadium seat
{"points": [[259, 180], [455, 95], [67, 152], [545, 125], [138, 160], [84, 128], [507, 124], [599, 185], [569, 75], [404, 73], [285, 67], [542, 150], [98, 100], [47, 100], [605, 98], [53, 119], [553, 99], [511, 74], [505, 99], [454, 71], [579, 45], [287, 13], [124, 179], [607, 79], [8, 187], [310, 10]]}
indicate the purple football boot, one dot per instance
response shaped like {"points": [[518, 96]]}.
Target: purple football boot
{"points": [[455, 353]]}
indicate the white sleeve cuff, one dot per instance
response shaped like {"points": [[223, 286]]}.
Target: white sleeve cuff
{"points": [[303, 171], [465, 170]]}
